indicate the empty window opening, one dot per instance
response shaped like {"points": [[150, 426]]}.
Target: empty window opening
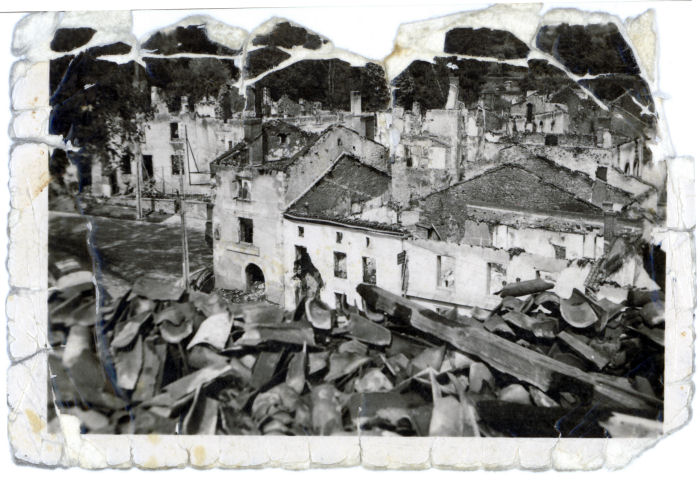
{"points": [[174, 130], [369, 270], [176, 163], [147, 166], [339, 300], [496, 279], [551, 140], [340, 266], [445, 272], [126, 164], [559, 252], [338, 237], [242, 189], [300, 231], [529, 113], [245, 230]]}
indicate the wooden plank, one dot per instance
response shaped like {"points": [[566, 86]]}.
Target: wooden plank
{"points": [[581, 348], [545, 329], [501, 354], [526, 287], [367, 331]]}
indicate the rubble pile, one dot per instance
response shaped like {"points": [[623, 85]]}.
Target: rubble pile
{"points": [[162, 359]]}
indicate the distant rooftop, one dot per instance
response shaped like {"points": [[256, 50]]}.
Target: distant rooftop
{"points": [[237, 156], [567, 179], [504, 195]]}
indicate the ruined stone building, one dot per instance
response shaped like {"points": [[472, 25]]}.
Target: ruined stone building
{"points": [[536, 113], [462, 201], [311, 117], [454, 248], [343, 230], [504, 225], [256, 181], [177, 142], [436, 148], [432, 148], [183, 144]]}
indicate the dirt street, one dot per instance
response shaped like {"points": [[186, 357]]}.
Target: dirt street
{"points": [[123, 250]]}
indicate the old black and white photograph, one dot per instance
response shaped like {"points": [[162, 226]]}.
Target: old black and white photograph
{"points": [[288, 239], [259, 232]]}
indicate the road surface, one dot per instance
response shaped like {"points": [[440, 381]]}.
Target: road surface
{"points": [[125, 249]]}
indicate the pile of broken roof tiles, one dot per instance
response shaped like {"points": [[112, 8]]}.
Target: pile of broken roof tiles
{"points": [[162, 359]]}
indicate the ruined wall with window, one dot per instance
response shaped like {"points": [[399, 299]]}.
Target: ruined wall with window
{"points": [[588, 243], [445, 275], [192, 137], [344, 257], [283, 140], [247, 229], [409, 183]]}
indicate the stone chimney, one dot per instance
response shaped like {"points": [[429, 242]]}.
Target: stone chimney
{"points": [[453, 94], [266, 101], [184, 107], [254, 100], [252, 126], [609, 225], [355, 103], [416, 108], [155, 98], [599, 195]]}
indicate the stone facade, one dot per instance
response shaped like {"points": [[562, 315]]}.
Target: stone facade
{"points": [[270, 186]]}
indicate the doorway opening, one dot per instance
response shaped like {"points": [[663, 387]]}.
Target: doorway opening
{"points": [[254, 279]]}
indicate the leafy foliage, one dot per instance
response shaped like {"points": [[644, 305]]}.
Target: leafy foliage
{"points": [[196, 78], [287, 36], [191, 39], [330, 81], [588, 49], [260, 60], [96, 104], [485, 42], [67, 39], [428, 82]]}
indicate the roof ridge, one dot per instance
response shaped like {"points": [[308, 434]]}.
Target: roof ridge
{"points": [[521, 168], [573, 172]]}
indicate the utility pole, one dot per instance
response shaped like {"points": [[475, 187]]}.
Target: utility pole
{"points": [[138, 183], [139, 158], [185, 248]]}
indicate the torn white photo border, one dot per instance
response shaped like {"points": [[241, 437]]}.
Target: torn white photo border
{"points": [[198, 451]]}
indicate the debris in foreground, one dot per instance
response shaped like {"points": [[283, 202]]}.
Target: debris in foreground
{"points": [[174, 361]]}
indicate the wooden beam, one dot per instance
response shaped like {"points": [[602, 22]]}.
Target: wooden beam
{"points": [[501, 354]]}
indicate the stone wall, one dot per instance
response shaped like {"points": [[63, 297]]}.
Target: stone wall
{"points": [[321, 241], [231, 255]]}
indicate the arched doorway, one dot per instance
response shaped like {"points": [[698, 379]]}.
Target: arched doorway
{"points": [[254, 279]]}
